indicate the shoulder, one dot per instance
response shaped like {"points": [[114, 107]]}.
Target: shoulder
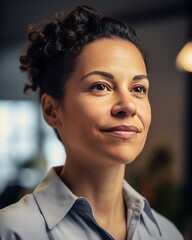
{"points": [[167, 228], [21, 220]]}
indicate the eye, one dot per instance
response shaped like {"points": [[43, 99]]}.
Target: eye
{"points": [[100, 87], [139, 89]]}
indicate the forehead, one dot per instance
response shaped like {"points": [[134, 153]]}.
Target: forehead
{"points": [[109, 53]]}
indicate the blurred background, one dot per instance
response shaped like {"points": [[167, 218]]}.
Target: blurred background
{"points": [[28, 147]]}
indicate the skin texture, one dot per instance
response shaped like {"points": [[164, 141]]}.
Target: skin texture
{"points": [[103, 121]]}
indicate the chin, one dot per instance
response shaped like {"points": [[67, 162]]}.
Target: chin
{"points": [[122, 154], [126, 161], [123, 158]]}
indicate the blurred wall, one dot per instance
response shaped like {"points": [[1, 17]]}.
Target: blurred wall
{"points": [[163, 39]]}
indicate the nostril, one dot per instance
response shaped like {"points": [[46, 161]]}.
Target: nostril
{"points": [[120, 114]]}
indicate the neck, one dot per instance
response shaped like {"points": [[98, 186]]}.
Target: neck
{"points": [[102, 186]]}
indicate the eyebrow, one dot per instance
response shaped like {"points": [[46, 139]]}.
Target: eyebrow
{"points": [[110, 75], [101, 73], [140, 77]]}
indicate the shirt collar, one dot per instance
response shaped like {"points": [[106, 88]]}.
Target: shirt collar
{"points": [[138, 203], [55, 199]]}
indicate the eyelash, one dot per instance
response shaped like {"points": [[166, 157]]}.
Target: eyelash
{"points": [[142, 88], [106, 87]]}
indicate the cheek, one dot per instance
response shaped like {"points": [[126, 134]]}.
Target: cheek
{"points": [[148, 117], [144, 113], [93, 108], [83, 114], [81, 123]]}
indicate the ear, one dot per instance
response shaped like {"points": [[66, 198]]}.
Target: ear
{"points": [[49, 108]]}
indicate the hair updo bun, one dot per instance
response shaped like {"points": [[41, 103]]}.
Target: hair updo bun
{"points": [[53, 46]]}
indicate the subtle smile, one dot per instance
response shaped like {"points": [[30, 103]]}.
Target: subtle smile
{"points": [[122, 131]]}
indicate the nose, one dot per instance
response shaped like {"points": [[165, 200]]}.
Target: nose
{"points": [[124, 106]]}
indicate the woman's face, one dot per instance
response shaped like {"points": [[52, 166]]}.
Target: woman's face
{"points": [[105, 114]]}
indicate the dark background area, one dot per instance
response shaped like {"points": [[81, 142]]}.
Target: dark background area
{"points": [[162, 171]]}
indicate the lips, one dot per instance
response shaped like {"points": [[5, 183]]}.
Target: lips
{"points": [[123, 128], [122, 131]]}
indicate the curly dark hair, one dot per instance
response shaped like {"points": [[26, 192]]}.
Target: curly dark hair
{"points": [[54, 45]]}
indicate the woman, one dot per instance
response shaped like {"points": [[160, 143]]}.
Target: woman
{"points": [[91, 75]]}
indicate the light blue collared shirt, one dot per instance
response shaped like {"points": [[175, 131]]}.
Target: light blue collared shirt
{"points": [[53, 212]]}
